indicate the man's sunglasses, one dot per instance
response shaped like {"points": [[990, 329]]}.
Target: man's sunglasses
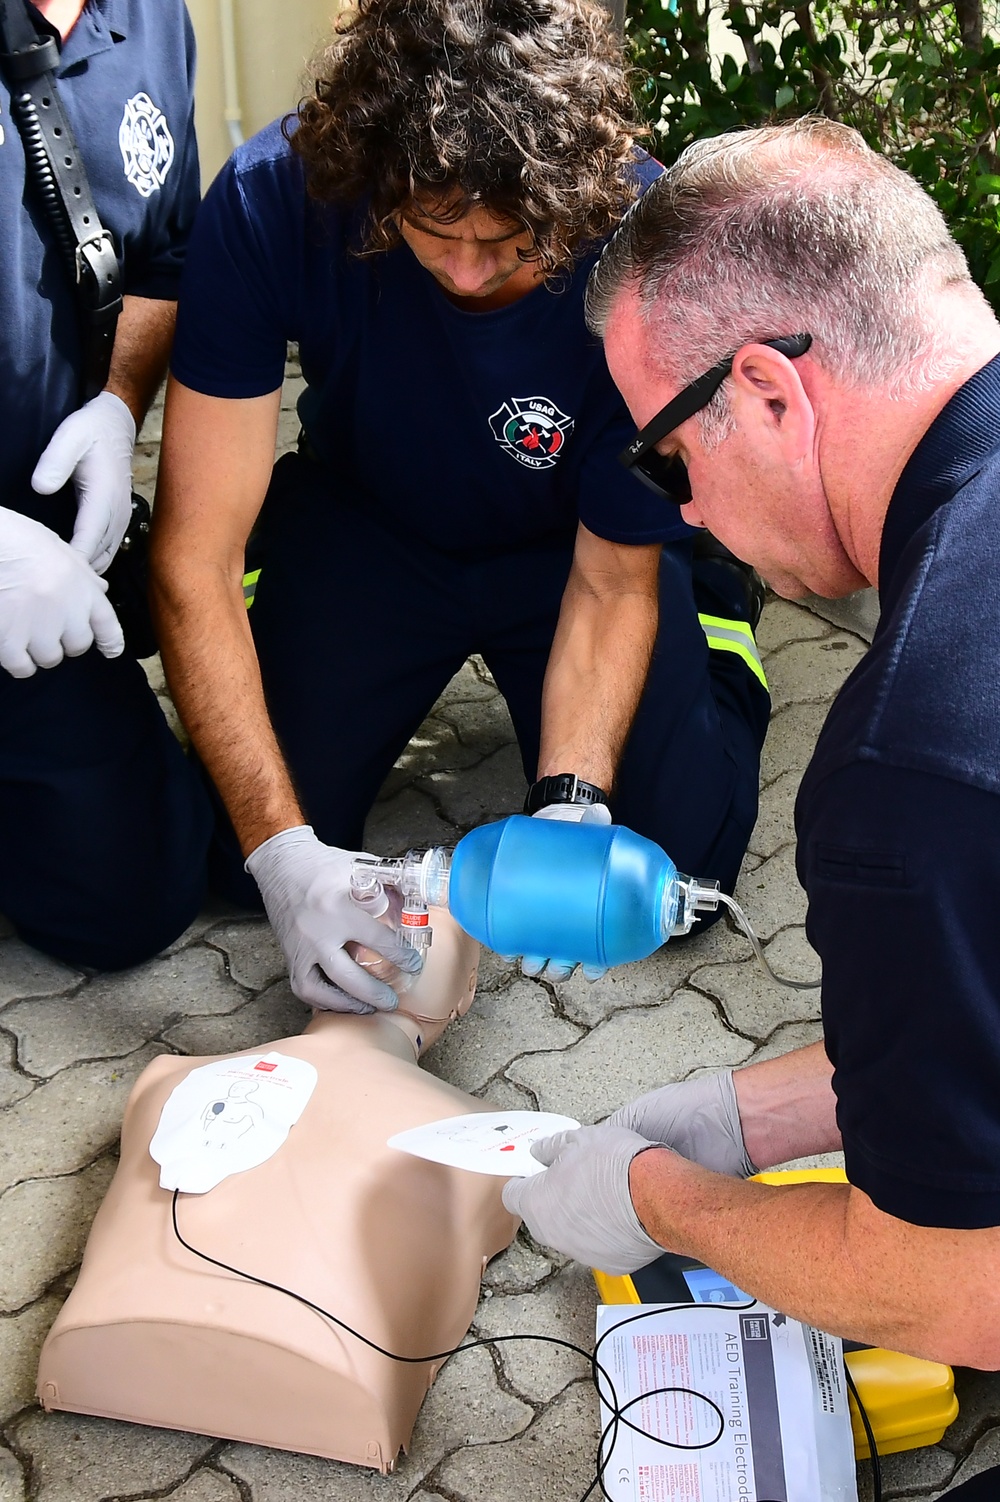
{"points": [[667, 473]]}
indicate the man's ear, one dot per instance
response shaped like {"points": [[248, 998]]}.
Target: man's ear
{"points": [[769, 394]]}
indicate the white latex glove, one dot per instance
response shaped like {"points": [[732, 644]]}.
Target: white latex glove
{"points": [[567, 813], [93, 447], [581, 1204], [699, 1118], [52, 604], [306, 887]]}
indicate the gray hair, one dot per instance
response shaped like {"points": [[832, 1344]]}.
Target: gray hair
{"points": [[784, 230]]}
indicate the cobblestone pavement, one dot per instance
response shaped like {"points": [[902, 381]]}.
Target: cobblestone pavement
{"points": [[518, 1427]]}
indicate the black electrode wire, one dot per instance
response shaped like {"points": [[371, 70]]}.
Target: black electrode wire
{"points": [[618, 1410], [869, 1435], [590, 1357], [373, 1345], [605, 1451]]}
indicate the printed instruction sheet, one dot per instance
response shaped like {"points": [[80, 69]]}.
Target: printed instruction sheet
{"points": [[780, 1428]]}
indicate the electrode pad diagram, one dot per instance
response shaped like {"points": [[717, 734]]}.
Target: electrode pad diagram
{"points": [[229, 1116]]}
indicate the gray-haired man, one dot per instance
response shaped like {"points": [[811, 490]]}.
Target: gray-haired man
{"points": [[855, 439]]}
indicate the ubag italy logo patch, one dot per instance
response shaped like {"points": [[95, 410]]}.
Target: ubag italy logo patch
{"points": [[147, 146], [532, 429]]}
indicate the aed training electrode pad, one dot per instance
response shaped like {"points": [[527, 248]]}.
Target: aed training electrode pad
{"points": [[229, 1116], [482, 1141]]}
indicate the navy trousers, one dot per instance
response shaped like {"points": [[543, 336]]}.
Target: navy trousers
{"points": [[359, 628], [982, 1488], [104, 823]]}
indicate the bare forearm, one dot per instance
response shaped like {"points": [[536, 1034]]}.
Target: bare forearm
{"points": [[214, 473], [142, 348], [787, 1107], [824, 1254], [595, 676], [211, 666]]}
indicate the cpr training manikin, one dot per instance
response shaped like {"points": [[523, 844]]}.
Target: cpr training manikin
{"points": [[393, 1245]]}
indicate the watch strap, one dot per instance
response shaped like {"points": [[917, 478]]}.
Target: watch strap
{"points": [[563, 787]]}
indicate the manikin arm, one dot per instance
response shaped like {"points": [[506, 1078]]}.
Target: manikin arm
{"points": [[599, 657]]}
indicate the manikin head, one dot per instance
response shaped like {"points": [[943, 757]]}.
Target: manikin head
{"points": [[492, 136], [798, 229]]}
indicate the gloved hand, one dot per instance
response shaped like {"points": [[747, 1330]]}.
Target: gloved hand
{"points": [[52, 604], [93, 446], [306, 887], [566, 813], [698, 1118], [581, 1205]]}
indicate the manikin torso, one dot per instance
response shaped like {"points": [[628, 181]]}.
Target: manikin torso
{"points": [[391, 1244]]}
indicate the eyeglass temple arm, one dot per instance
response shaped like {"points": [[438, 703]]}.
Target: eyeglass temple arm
{"points": [[700, 393]]}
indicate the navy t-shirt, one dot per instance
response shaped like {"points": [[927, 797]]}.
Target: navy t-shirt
{"points": [[898, 820], [126, 78], [478, 431]]}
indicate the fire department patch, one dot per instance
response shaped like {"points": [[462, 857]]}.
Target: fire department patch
{"points": [[531, 429], [147, 146]]}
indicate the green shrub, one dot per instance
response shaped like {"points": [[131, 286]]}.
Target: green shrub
{"points": [[920, 80]]}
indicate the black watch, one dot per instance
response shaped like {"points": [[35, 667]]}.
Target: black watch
{"points": [[565, 787]]}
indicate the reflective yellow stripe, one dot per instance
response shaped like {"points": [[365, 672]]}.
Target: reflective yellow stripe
{"points": [[250, 587], [734, 636]]}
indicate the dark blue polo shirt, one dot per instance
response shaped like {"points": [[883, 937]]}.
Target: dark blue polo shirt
{"points": [[898, 820], [126, 78], [475, 431]]}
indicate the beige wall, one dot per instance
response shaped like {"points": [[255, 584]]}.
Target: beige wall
{"points": [[274, 41]]}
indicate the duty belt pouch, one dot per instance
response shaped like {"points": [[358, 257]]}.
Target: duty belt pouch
{"points": [[128, 582], [55, 167]]}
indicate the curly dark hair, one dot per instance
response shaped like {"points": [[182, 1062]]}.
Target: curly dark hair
{"points": [[521, 107]]}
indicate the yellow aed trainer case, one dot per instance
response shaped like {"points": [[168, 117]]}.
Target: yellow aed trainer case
{"points": [[909, 1402]]}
